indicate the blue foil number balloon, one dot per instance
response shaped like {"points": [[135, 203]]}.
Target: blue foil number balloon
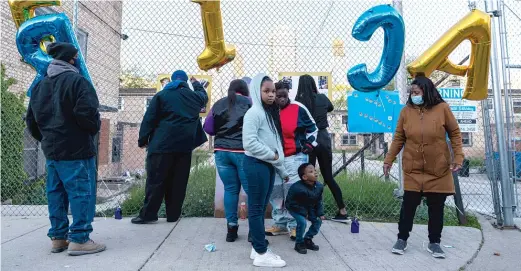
{"points": [[56, 27], [391, 21]]}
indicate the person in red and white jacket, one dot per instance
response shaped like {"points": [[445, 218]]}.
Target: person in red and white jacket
{"points": [[299, 133]]}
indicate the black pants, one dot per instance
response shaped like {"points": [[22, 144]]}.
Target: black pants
{"points": [[436, 205], [167, 176], [325, 160]]}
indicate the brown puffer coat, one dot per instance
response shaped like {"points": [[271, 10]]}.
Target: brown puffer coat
{"points": [[426, 157]]}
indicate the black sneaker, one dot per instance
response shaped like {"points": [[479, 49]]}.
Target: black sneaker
{"points": [[301, 248], [139, 220], [231, 236], [399, 247], [436, 251], [310, 245], [340, 218]]}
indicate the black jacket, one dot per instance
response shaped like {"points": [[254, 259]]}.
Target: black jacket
{"points": [[228, 123], [305, 199], [171, 122], [322, 106], [63, 114]]}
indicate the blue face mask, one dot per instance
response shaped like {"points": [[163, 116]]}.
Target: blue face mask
{"points": [[417, 100]]}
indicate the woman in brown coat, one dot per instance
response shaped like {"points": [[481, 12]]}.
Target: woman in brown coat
{"points": [[424, 124]]}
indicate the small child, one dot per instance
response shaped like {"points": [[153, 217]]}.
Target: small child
{"points": [[305, 200]]}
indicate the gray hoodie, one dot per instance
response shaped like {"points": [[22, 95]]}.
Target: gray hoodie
{"points": [[258, 139], [58, 67]]}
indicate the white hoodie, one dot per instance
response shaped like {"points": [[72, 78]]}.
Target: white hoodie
{"points": [[258, 139]]}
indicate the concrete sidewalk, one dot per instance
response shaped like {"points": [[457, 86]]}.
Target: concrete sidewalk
{"points": [[180, 246]]}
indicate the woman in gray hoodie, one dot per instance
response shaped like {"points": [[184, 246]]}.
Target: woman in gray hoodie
{"points": [[262, 142]]}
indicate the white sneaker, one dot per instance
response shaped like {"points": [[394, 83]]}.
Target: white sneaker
{"points": [[268, 259], [254, 253]]}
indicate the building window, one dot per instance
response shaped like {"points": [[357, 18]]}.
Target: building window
{"points": [[121, 103], [81, 34], [490, 104], [344, 119], [83, 38], [349, 139], [466, 139], [147, 102], [43, 11], [517, 106], [117, 145]]}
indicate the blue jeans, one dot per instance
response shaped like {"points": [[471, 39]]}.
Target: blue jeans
{"points": [[281, 216], [316, 222], [231, 172], [71, 182], [261, 176]]}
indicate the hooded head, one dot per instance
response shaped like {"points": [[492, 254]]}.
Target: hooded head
{"points": [[255, 89], [62, 51], [180, 75]]}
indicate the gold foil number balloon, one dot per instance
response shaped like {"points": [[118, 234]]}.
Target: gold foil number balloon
{"points": [[216, 52], [24, 10], [476, 28]]}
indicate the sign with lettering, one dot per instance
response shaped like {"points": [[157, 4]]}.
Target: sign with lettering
{"points": [[465, 111]]}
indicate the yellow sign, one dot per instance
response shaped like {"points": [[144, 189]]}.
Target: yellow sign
{"points": [[322, 79], [205, 80]]}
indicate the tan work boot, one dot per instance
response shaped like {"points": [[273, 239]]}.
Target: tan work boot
{"points": [[89, 247], [59, 245]]}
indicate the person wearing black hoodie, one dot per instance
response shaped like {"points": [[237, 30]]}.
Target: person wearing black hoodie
{"points": [[171, 129], [63, 115]]}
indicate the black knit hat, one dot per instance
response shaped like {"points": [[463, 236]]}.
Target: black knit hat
{"points": [[62, 51]]}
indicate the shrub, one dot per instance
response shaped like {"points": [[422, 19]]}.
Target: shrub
{"points": [[12, 136]]}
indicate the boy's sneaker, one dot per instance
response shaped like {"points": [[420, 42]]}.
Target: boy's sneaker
{"points": [[340, 218], [310, 245], [274, 231], [268, 259], [89, 247], [293, 235], [399, 247], [301, 248], [231, 236], [59, 245], [436, 251]]}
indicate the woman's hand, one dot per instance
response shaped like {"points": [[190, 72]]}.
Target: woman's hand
{"points": [[276, 157], [387, 169], [193, 79], [455, 167]]}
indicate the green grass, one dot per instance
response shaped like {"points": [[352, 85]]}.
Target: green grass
{"points": [[476, 162], [370, 198], [367, 196], [199, 200]]}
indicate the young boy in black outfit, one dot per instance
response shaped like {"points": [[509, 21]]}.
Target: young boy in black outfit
{"points": [[304, 200]]}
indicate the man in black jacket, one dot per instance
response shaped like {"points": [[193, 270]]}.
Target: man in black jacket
{"points": [[171, 129], [63, 115]]}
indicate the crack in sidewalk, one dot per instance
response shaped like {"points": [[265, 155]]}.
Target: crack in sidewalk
{"points": [[160, 245], [336, 252]]}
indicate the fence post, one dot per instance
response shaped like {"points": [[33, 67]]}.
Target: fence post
{"points": [[491, 7], [344, 160], [362, 161]]}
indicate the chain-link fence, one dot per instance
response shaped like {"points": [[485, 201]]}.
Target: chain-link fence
{"points": [[129, 46]]}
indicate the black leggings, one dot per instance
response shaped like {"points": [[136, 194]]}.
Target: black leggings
{"points": [[435, 204], [325, 160]]}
